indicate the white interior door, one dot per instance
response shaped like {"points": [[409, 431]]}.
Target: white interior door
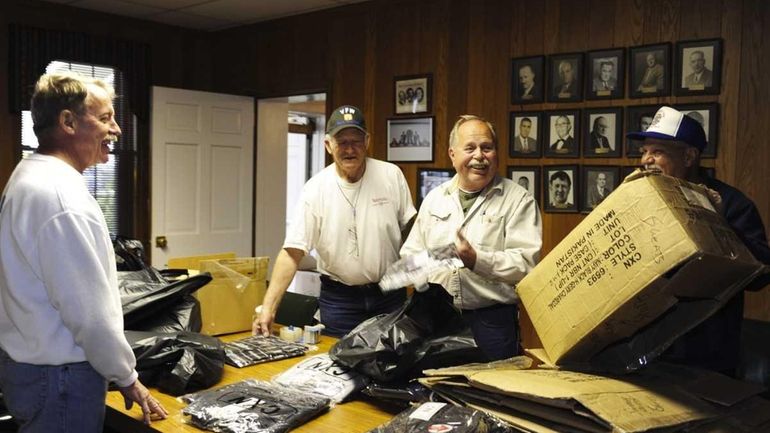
{"points": [[202, 173]]}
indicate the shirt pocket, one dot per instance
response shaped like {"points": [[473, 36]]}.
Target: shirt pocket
{"points": [[491, 231], [441, 228]]}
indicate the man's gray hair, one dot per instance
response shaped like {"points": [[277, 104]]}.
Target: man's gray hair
{"points": [[467, 118]]}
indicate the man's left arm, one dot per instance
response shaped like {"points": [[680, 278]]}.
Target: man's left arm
{"points": [[747, 223], [522, 241]]}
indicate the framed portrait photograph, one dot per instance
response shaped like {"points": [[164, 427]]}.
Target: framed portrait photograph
{"points": [[698, 67], [527, 80], [565, 77], [603, 136], [525, 134], [638, 118], [410, 140], [708, 117], [606, 72], [598, 181], [649, 70], [562, 134], [528, 177], [559, 185], [412, 94], [429, 178]]}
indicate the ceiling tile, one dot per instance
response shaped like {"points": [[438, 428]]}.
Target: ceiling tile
{"points": [[252, 11], [117, 7], [192, 21], [168, 4], [206, 14]]}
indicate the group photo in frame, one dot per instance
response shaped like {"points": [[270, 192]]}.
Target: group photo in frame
{"points": [[527, 80], [603, 131], [598, 181], [698, 67], [528, 177], [525, 128], [708, 116], [560, 183], [605, 76], [412, 94], [649, 70], [562, 134], [410, 139], [638, 119], [430, 178], [565, 77]]}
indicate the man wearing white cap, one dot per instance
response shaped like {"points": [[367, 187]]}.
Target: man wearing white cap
{"points": [[352, 213], [673, 144]]}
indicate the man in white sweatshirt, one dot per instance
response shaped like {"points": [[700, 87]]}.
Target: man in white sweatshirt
{"points": [[61, 324]]}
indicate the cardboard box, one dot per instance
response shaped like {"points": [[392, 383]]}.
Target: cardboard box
{"points": [[663, 396], [194, 262], [652, 261], [237, 287]]}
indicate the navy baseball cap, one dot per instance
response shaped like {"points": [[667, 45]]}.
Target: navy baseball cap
{"points": [[346, 116], [670, 124]]}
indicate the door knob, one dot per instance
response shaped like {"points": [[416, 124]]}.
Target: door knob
{"points": [[161, 242]]}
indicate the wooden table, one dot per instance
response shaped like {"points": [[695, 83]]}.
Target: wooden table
{"points": [[360, 415]]}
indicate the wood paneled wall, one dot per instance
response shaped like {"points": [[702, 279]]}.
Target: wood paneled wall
{"points": [[353, 53]]}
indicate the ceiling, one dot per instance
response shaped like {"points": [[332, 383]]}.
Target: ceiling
{"points": [[207, 15]]}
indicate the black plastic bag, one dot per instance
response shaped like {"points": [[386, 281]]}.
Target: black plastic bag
{"points": [[253, 406], [145, 294], [177, 363], [185, 315], [427, 332], [129, 254], [443, 417], [400, 393]]}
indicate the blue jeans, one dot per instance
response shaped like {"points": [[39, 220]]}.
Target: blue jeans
{"points": [[495, 329], [65, 398], [343, 307]]}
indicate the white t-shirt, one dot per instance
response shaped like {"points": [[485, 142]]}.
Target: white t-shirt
{"points": [[59, 300], [323, 218]]}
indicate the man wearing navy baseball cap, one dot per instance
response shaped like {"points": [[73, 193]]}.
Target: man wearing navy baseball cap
{"points": [[352, 214], [672, 145]]}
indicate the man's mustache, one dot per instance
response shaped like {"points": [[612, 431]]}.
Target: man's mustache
{"points": [[479, 165]]}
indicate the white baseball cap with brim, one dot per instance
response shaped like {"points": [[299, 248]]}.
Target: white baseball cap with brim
{"points": [[671, 124]]}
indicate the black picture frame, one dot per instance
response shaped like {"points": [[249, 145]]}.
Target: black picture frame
{"points": [[533, 175], [516, 144], [605, 74], [412, 94], [708, 116], [554, 204], [589, 187], [429, 178], [704, 54], [627, 170], [523, 70], [603, 132], [572, 147], [559, 90], [415, 139], [649, 72], [638, 118]]}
